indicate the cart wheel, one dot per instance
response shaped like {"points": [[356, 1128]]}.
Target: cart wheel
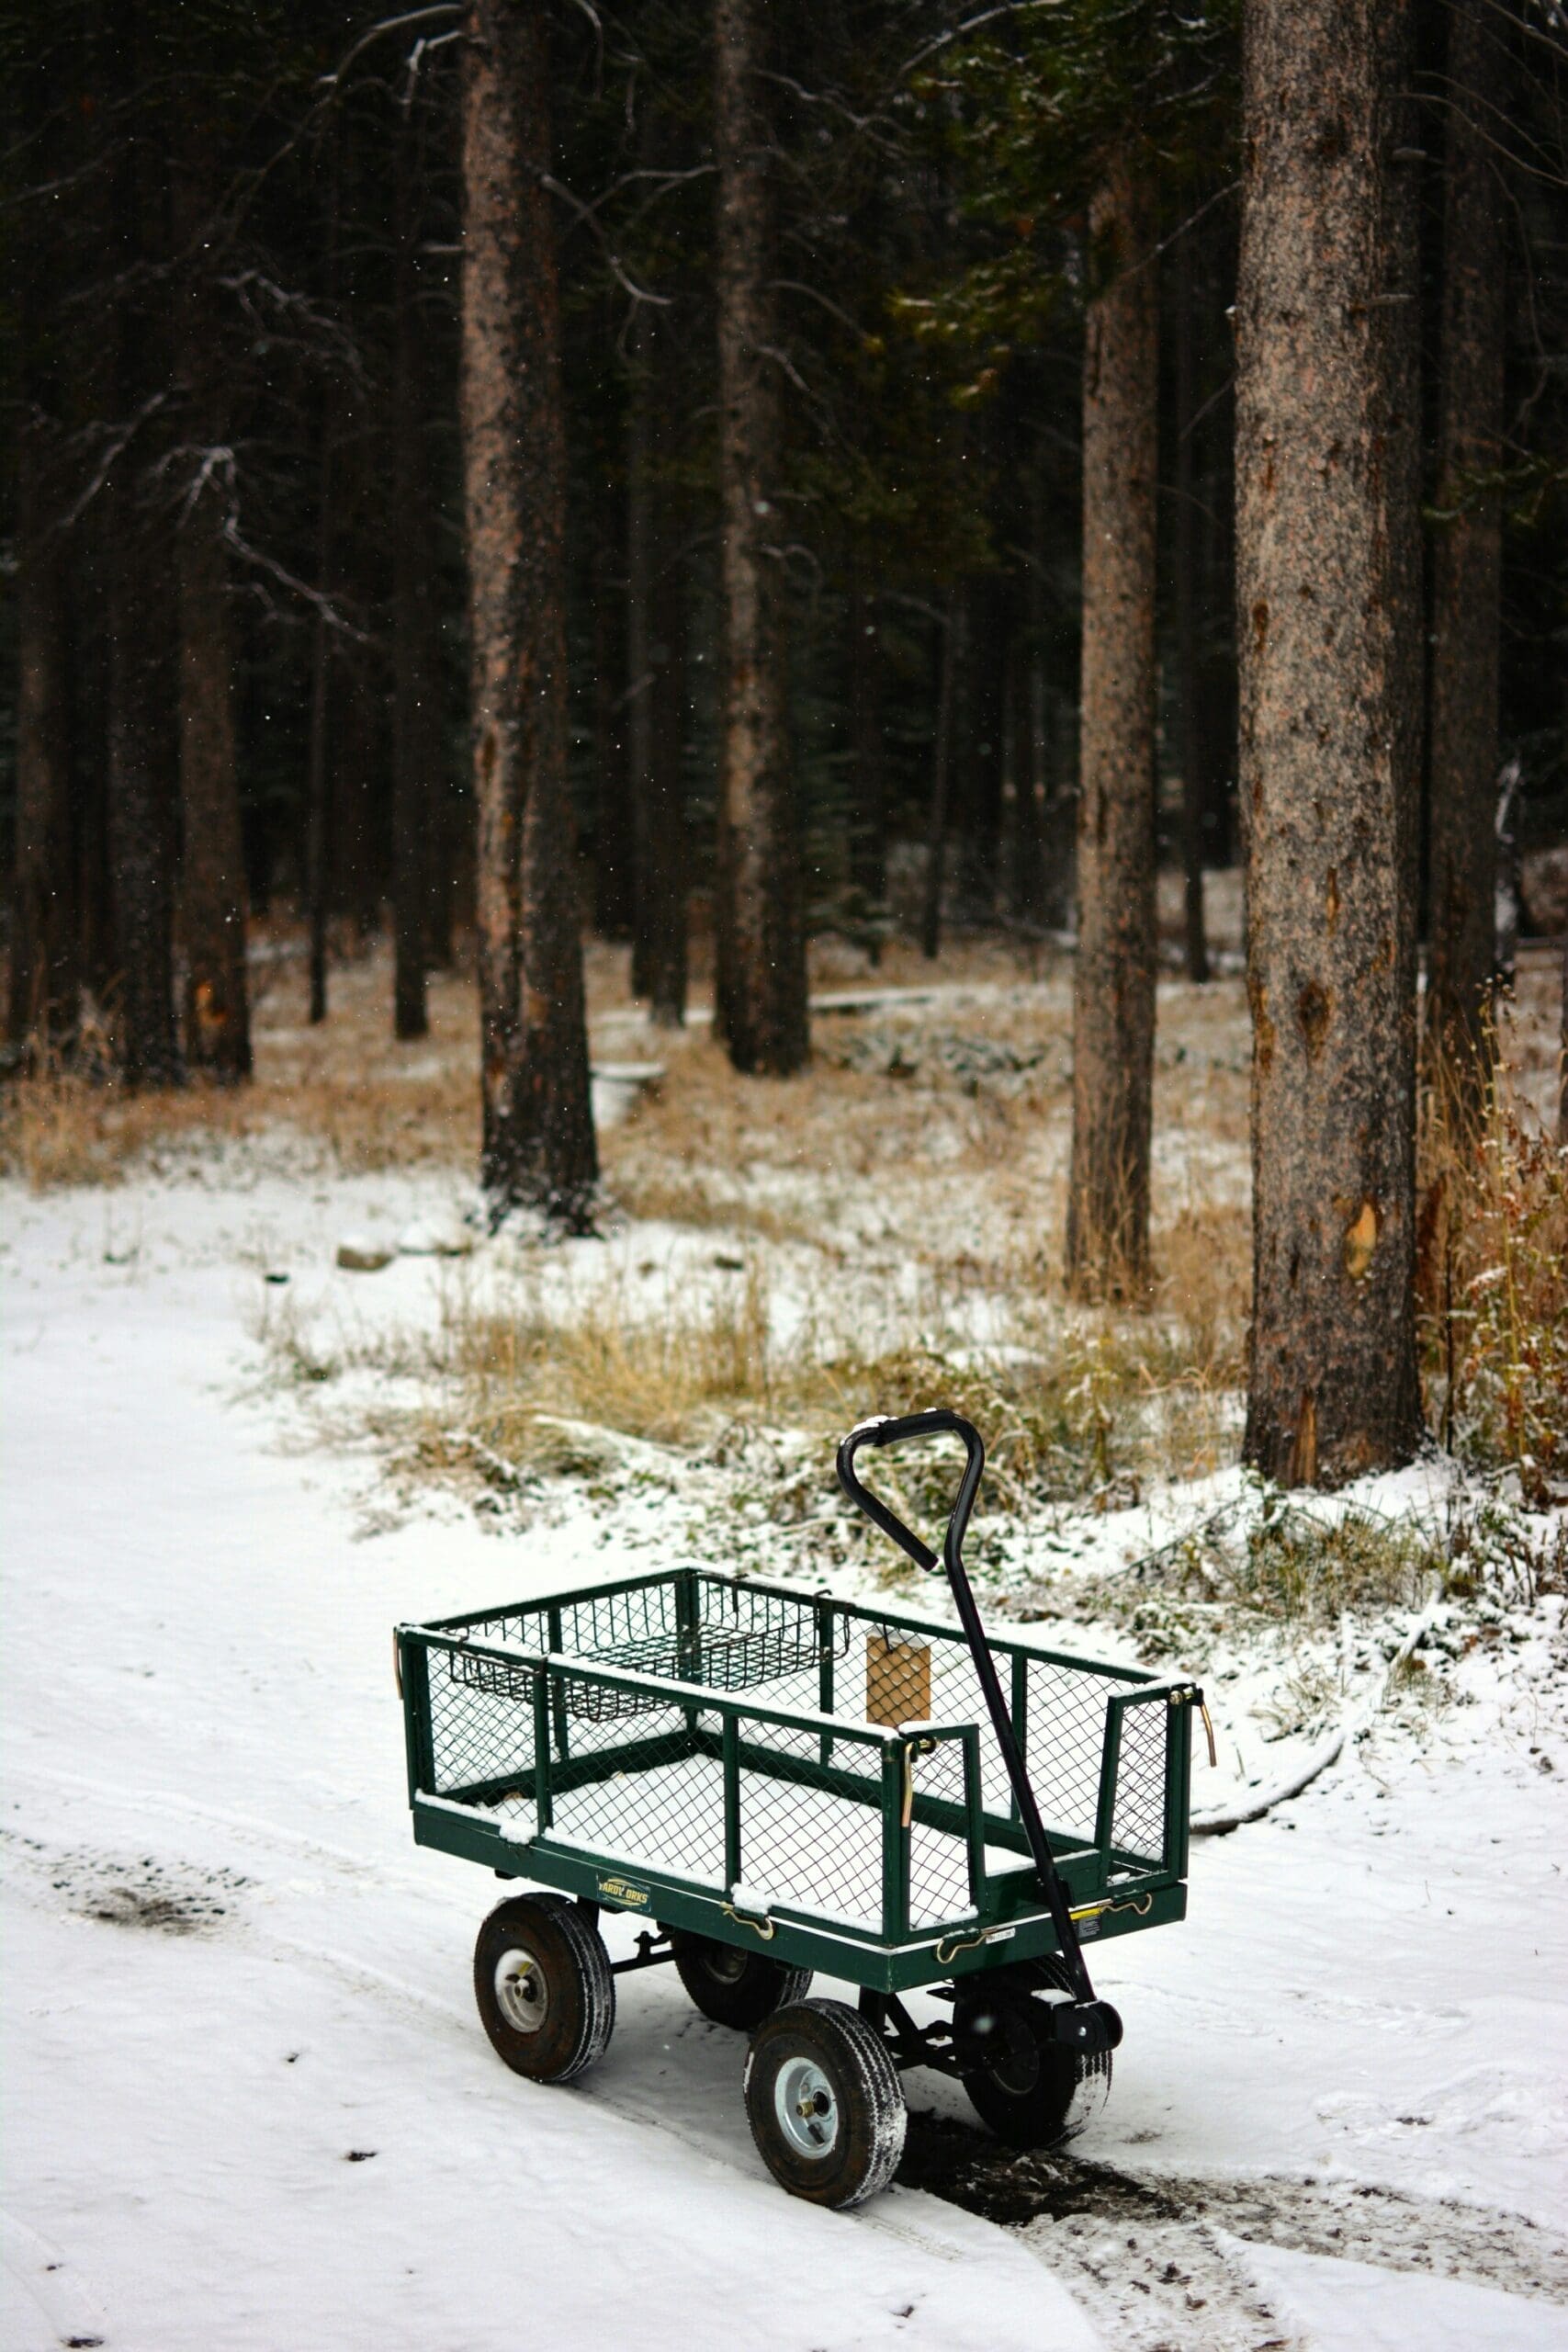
{"points": [[825, 2103], [734, 1988], [1030, 2089], [543, 1984]]}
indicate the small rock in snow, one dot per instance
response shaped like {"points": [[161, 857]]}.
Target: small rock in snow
{"points": [[358, 1257]]}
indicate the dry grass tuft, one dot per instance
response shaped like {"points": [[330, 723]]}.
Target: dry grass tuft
{"points": [[1493, 1281]]}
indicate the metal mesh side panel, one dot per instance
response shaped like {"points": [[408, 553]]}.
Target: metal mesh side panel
{"points": [[482, 1723], [939, 1861], [808, 1848], [1139, 1821], [665, 1813]]}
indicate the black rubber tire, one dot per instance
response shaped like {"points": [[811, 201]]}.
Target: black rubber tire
{"points": [[731, 1987], [576, 1999], [865, 2115], [1035, 2093]]}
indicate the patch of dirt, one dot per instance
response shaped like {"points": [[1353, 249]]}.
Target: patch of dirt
{"points": [[169, 1898], [1148, 2258]]}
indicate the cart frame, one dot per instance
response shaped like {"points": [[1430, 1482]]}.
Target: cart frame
{"points": [[546, 1687]]}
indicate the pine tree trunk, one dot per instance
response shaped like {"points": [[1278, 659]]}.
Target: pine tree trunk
{"points": [[1329, 612], [319, 809], [212, 867], [988, 639], [950, 658], [868, 842], [142, 785], [142, 757], [44, 960], [415, 735], [1113, 992], [538, 1144], [763, 944], [1467, 559], [45, 956], [655, 692], [1189, 608], [1026, 861], [613, 824]]}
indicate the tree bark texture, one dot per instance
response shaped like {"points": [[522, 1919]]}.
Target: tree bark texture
{"points": [[143, 756], [613, 819], [950, 658], [761, 953], [990, 599], [45, 961], [212, 866], [416, 734], [44, 964], [656, 695], [538, 1144], [1113, 989], [1329, 616], [213, 898], [141, 787], [1467, 558], [1190, 608], [868, 839], [1026, 839]]}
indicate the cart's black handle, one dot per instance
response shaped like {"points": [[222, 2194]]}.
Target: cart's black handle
{"points": [[1094, 2024], [942, 1421]]}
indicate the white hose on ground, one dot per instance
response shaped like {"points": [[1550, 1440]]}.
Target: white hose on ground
{"points": [[1219, 1819]]}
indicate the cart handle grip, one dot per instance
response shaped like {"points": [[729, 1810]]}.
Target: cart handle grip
{"points": [[894, 1429]]}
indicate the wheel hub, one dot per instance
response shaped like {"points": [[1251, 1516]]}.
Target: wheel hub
{"points": [[521, 1993], [806, 2107]]}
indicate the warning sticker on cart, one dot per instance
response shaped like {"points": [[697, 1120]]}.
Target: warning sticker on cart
{"points": [[622, 1891]]}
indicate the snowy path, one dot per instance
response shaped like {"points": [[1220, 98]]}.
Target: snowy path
{"points": [[283, 2127], [248, 2103]]}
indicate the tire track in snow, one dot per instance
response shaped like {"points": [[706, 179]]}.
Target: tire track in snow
{"points": [[1147, 2255], [64, 2301]]}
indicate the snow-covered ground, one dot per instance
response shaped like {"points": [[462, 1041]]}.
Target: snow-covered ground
{"points": [[248, 2102]]}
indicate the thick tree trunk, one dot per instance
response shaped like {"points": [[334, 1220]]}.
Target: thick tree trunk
{"points": [[538, 1144], [950, 657], [656, 694], [416, 795], [1327, 567], [212, 867], [1113, 991], [1190, 608], [762, 934], [1466, 561]]}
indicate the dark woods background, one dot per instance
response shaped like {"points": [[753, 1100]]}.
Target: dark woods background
{"points": [[234, 521]]}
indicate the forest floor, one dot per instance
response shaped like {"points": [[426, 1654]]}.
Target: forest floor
{"points": [[248, 2103]]}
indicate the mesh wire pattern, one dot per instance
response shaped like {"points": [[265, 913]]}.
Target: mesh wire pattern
{"points": [[1138, 1816], [638, 1777]]}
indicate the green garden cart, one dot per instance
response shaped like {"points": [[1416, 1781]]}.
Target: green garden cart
{"points": [[783, 1784]]}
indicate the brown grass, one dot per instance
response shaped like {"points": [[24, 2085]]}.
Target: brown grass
{"points": [[1493, 1281]]}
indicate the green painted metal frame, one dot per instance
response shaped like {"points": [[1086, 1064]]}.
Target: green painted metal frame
{"points": [[1112, 1891]]}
